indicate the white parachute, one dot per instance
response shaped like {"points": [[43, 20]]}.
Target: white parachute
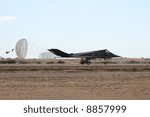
{"points": [[21, 48]]}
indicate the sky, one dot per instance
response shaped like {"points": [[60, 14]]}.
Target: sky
{"points": [[121, 26]]}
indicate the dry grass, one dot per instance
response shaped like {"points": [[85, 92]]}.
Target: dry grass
{"points": [[32, 80]]}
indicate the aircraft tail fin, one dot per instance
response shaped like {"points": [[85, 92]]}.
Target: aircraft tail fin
{"points": [[59, 52]]}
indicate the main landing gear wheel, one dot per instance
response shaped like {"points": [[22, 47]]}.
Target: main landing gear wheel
{"points": [[85, 61]]}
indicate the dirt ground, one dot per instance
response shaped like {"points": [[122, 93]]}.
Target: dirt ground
{"points": [[74, 82]]}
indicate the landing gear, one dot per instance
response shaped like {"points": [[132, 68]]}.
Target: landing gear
{"points": [[85, 61], [105, 61]]}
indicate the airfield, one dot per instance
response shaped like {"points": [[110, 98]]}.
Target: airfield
{"points": [[37, 79]]}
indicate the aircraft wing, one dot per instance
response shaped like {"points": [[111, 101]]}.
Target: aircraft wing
{"points": [[96, 54]]}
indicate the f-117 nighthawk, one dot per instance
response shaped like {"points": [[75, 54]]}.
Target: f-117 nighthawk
{"points": [[85, 56]]}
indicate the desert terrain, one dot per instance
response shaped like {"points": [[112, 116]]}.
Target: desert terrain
{"points": [[50, 79]]}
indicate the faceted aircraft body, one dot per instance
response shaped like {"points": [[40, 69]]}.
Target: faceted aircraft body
{"points": [[85, 56]]}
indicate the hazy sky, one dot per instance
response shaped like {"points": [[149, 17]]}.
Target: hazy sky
{"points": [[121, 26]]}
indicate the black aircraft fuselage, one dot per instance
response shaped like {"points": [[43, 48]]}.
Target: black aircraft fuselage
{"points": [[85, 56]]}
